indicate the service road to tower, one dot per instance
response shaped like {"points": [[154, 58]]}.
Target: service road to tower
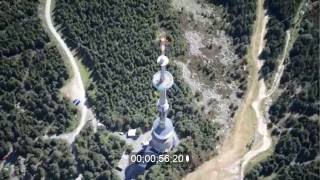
{"points": [[75, 87]]}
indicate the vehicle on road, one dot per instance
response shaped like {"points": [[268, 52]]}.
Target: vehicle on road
{"points": [[76, 102]]}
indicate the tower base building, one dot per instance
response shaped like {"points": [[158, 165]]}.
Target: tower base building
{"points": [[164, 137]]}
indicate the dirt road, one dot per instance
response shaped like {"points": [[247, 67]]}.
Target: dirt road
{"points": [[257, 105], [226, 165], [75, 89]]}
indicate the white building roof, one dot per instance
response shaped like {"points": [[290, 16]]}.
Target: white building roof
{"points": [[132, 132]]}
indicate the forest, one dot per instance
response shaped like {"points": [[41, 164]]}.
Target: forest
{"points": [[281, 15], [295, 114], [97, 154], [241, 15], [31, 106], [31, 73]]}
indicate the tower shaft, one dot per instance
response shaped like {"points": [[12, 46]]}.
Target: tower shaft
{"points": [[163, 70], [163, 108]]}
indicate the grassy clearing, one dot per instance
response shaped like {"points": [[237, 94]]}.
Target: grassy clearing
{"points": [[246, 118], [84, 73]]}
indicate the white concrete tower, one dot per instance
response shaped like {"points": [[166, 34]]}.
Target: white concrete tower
{"points": [[164, 137]]}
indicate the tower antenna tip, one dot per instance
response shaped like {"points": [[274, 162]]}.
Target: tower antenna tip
{"points": [[163, 42], [163, 39]]}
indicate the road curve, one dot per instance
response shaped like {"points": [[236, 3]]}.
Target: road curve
{"points": [[77, 86]]}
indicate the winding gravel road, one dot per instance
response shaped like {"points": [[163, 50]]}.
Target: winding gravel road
{"points": [[75, 89]]}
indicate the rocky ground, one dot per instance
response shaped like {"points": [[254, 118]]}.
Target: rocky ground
{"points": [[215, 74]]}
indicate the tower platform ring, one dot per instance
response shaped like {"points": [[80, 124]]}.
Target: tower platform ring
{"points": [[165, 60], [165, 84]]}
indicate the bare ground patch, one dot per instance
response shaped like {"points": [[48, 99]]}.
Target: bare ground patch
{"points": [[211, 65]]}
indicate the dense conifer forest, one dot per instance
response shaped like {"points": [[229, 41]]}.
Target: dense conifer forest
{"points": [[31, 106], [31, 72], [241, 15], [97, 154], [295, 114]]}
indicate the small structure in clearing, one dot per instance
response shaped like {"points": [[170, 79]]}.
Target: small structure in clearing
{"points": [[132, 133]]}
